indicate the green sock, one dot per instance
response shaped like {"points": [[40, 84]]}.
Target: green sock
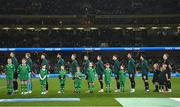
{"points": [[42, 88], [7, 87], [22, 87], [11, 88], [25, 87]]}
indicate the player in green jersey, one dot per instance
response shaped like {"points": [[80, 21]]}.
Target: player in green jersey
{"points": [[86, 62], [23, 70], [15, 63], [44, 61], [78, 80], [74, 64], [116, 65], [30, 63], [62, 78], [107, 77], [122, 75], [9, 71], [60, 62], [91, 77], [43, 76], [132, 71], [100, 71]]}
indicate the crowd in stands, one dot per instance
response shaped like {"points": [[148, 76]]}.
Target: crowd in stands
{"points": [[97, 7]]}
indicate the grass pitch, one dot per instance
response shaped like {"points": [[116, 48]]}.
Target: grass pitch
{"points": [[95, 99]]}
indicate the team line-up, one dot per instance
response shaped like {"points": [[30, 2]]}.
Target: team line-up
{"points": [[23, 72]]}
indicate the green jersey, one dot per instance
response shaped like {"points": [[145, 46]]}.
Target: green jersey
{"points": [[107, 75], [116, 66], [9, 71], [62, 74], [23, 71], [91, 74], [14, 62], [60, 63], [43, 73], [74, 65], [78, 75], [122, 75], [100, 67], [131, 66], [29, 62], [85, 66]]}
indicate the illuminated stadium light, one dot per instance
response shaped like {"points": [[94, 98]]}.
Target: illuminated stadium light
{"points": [[142, 28], [154, 27], [19, 28], [69, 28], [6, 28], [80, 28], [55, 28], [166, 27], [117, 28], [44, 28], [93, 28], [129, 28], [30, 28]]}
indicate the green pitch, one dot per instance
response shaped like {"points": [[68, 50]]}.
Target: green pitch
{"points": [[95, 99]]}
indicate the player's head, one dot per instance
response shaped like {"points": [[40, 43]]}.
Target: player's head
{"points": [[99, 57], [86, 57], [44, 66], [62, 67], [107, 65], [58, 55], [129, 55], [122, 67], [78, 69], [43, 56], [156, 66], [165, 56], [27, 55], [114, 57], [23, 61], [91, 64], [12, 54], [9, 61], [142, 57], [73, 56]]}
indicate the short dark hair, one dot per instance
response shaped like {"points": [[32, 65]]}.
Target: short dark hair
{"points": [[115, 55], [166, 54], [143, 56], [99, 56]]}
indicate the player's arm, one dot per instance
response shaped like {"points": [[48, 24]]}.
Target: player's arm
{"points": [[18, 69], [14, 68], [63, 62], [40, 76], [5, 68], [28, 68], [76, 63], [167, 76], [102, 65], [44, 77], [133, 65], [146, 65]]}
